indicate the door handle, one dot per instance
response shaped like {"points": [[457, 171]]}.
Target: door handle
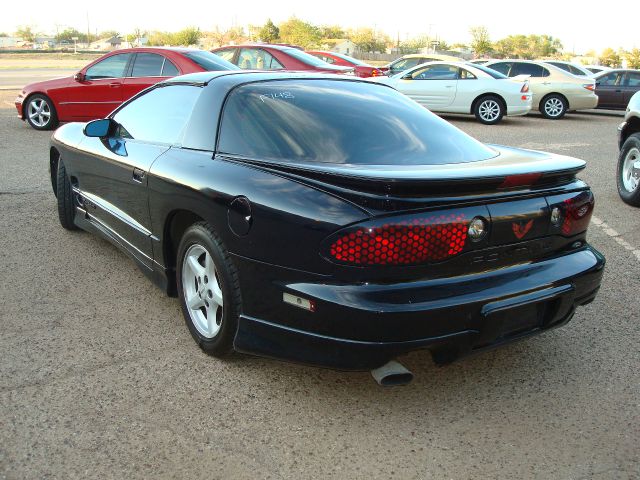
{"points": [[138, 175], [618, 91], [114, 85], [449, 86]]}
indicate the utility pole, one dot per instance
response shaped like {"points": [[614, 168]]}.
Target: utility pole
{"points": [[88, 31]]}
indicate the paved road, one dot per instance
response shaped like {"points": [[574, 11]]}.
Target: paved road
{"points": [[99, 377], [15, 79]]}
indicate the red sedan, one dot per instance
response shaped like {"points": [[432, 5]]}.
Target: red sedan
{"points": [[100, 87], [362, 69], [276, 57]]}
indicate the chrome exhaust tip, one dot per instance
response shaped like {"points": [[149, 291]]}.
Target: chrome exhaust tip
{"points": [[392, 374]]}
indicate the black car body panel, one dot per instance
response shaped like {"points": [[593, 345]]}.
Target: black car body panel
{"points": [[279, 221]]}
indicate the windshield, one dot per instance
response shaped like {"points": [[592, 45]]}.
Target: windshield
{"points": [[339, 122], [306, 58], [489, 71], [209, 61]]}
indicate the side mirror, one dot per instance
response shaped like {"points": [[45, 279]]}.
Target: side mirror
{"points": [[79, 77], [598, 83], [98, 128], [407, 77]]}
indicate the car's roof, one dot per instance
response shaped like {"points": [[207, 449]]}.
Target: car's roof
{"points": [[147, 49], [238, 77], [430, 55], [260, 45]]}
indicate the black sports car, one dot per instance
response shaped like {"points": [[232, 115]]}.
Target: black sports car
{"points": [[329, 220]]}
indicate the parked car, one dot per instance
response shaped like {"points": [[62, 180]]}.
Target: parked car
{"points": [[616, 87], [597, 68], [409, 61], [554, 91], [331, 221], [105, 83], [479, 61], [628, 173], [362, 69], [572, 68], [457, 87], [276, 57]]}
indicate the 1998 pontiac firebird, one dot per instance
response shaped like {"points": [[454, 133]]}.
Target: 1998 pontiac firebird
{"points": [[329, 220]]}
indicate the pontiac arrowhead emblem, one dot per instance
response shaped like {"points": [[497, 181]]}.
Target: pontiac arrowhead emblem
{"points": [[520, 229]]}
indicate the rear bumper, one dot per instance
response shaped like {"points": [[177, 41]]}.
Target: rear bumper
{"points": [[363, 326], [18, 103], [583, 102], [516, 110]]}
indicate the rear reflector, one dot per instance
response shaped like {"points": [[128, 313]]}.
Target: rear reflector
{"points": [[575, 212], [430, 238], [520, 180]]}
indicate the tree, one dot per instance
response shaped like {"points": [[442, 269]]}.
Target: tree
{"points": [[187, 36], [367, 40], [546, 45], [269, 32], [226, 37], [299, 32], [480, 41], [134, 38], [332, 32], [633, 58], [610, 58], [415, 44], [68, 34], [3, 34], [109, 34], [26, 33]]}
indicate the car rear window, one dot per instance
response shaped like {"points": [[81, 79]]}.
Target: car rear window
{"points": [[489, 71], [339, 122], [209, 61]]}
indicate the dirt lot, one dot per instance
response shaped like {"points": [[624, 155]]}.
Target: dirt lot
{"points": [[100, 378], [9, 61]]}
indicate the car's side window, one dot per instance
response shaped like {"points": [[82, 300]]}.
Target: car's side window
{"points": [[436, 72], [327, 59], [530, 69], [466, 75], [158, 116], [502, 67], [257, 59], [609, 80], [110, 67], [633, 79], [226, 54], [575, 71], [169, 69], [405, 64], [147, 65]]}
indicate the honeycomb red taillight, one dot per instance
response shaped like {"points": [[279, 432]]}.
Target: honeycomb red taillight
{"points": [[577, 213], [430, 238]]}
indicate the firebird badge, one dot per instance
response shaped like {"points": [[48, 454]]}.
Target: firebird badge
{"points": [[520, 229]]}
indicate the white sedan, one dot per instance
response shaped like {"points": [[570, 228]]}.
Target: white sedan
{"points": [[458, 87]]}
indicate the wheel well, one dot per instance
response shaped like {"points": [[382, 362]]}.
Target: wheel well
{"points": [[489, 94], [632, 126], [566, 100], [25, 102], [54, 156], [177, 223]]}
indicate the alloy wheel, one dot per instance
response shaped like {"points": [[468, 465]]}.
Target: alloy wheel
{"points": [[631, 170], [553, 107], [39, 112], [201, 291], [489, 110]]}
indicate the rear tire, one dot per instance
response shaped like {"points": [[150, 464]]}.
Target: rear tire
{"points": [[64, 198], [627, 174], [553, 106], [489, 110], [40, 112], [209, 289]]}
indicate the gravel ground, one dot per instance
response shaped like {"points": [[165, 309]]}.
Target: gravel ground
{"points": [[99, 377]]}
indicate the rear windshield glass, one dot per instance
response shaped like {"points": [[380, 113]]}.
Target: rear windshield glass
{"points": [[210, 61], [489, 71], [355, 61], [339, 122], [305, 57]]}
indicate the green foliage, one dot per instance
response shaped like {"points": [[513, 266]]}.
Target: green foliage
{"points": [[480, 41], [109, 34], [26, 33], [269, 32], [298, 32], [68, 34], [633, 58], [3, 34], [527, 46], [186, 37], [610, 58], [368, 40], [414, 45], [332, 32]]}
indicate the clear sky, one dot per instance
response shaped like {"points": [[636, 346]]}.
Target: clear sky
{"points": [[577, 24]]}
